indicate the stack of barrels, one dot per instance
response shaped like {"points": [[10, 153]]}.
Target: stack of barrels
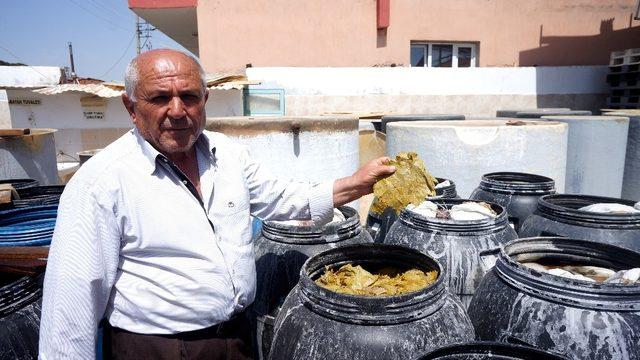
{"points": [[26, 228], [485, 303]]}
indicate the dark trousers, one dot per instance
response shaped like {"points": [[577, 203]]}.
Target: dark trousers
{"points": [[230, 340]]}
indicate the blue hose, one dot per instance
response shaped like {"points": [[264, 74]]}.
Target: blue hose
{"points": [[30, 226]]}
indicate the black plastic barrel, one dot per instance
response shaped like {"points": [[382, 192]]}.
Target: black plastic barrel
{"points": [[579, 319], [316, 323], [20, 298], [558, 215], [39, 195], [29, 226], [511, 113], [540, 113], [418, 117], [455, 244], [378, 225], [281, 250], [20, 184], [485, 350], [518, 193]]}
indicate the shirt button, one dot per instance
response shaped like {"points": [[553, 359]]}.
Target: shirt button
{"points": [[184, 182], [231, 204]]}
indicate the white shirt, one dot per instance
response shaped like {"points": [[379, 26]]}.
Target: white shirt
{"points": [[132, 243]]}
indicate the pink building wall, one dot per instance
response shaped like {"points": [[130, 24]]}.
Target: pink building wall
{"points": [[233, 33]]}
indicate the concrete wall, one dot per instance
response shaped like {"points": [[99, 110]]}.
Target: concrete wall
{"points": [[470, 91], [233, 33], [75, 133], [5, 115]]}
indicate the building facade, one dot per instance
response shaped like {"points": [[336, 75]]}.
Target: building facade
{"points": [[229, 35]]}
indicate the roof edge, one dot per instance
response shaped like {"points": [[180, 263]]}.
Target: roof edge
{"points": [[162, 4]]}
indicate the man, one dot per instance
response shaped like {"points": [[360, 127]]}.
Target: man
{"points": [[154, 232]]}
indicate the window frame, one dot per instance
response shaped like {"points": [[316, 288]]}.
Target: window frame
{"points": [[263, 91], [428, 46]]}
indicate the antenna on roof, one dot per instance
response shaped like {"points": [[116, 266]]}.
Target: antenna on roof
{"points": [[73, 66]]}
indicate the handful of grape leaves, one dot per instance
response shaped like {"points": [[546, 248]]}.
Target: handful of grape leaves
{"points": [[410, 184]]}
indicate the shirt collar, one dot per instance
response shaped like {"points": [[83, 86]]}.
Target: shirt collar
{"points": [[151, 154]]}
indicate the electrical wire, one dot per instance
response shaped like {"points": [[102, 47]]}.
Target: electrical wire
{"points": [[103, 9], [98, 16], [22, 61], [121, 56]]}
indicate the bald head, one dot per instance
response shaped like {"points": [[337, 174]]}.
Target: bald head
{"points": [[159, 58]]}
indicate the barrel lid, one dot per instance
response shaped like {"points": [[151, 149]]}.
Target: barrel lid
{"points": [[255, 126], [512, 112], [476, 123], [608, 117], [546, 112], [622, 112], [400, 117]]}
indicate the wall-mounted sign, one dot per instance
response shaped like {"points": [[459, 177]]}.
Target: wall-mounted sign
{"points": [[93, 107], [24, 102], [93, 115]]}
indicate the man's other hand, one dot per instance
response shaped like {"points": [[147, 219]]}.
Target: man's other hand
{"points": [[361, 182]]}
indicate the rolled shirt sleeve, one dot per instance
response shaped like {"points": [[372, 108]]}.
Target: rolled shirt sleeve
{"points": [[278, 199]]}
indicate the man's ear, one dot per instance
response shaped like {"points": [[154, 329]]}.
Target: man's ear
{"points": [[130, 106], [206, 95]]}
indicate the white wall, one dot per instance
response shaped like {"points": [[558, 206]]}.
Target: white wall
{"points": [[75, 133], [5, 115], [470, 91], [434, 81]]}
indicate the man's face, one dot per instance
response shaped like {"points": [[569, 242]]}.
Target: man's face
{"points": [[169, 108]]}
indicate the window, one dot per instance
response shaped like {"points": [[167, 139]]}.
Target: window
{"points": [[443, 55], [263, 102]]}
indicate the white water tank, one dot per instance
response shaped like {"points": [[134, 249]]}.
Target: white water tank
{"points": [[631, 179], [302, 148], [465, 150], [596, 154], [30, 156]]}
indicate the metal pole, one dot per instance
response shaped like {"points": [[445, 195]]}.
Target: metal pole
{"points": [[73, 66]]}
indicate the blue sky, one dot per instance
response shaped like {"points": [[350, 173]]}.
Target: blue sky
{"points": [[36, 32]]}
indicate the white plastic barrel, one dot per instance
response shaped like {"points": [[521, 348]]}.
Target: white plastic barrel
{"points": [[29, 156], [596, 154], [465, 150], [302, 148], [631, 178]]}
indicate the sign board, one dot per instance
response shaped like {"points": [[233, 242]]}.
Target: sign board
{"points": [[24, 102], [93, 115], [93, 107]]}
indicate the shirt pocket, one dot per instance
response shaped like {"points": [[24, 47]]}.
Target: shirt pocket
{"points": [[230, 217]]}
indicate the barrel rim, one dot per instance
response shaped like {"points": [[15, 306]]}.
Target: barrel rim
{"points": [[309, 235], [462, 227], [20, 293], [494, 348], [371, 310], [22, 183], [554, 207], [517, 183], [571, 292], [445, 192]]}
